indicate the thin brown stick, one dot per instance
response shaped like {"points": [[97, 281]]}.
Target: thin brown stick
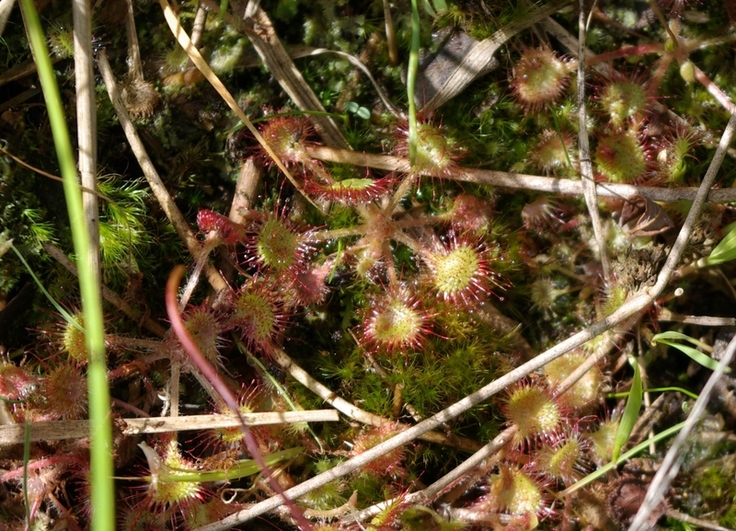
{"points": [[74, 429], [520, 180], [196, 57], [586, 164], [263, 37], [84, 77], [149, 170], [393, 47], [135, 65], [459, 472]]}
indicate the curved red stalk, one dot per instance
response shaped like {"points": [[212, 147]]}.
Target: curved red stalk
{"points": [[628, 51], [209, 372]]}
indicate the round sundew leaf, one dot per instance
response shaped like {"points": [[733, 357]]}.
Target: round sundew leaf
{"points": [[539, 77], [532, 411], [455, 271], [277, 246], [623, 100], [621, 158], [515, 492], [397, 323]]}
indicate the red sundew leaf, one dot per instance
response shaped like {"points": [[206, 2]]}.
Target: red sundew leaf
{"points": [[351, 191], [228, 231]]}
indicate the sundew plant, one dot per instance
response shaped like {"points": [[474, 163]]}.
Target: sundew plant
{"points": [[411, 265]]}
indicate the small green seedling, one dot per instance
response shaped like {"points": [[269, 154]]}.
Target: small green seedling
{"points": [[706, 361], [724, 252], [358, 110]]}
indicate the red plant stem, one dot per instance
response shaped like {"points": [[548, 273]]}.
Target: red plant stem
{"points": [[625, 52], [658, 76], [209, 372], [714, 90], [54, 460]]}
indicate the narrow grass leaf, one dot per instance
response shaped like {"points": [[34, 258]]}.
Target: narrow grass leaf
{"points": [[631, 411], [283, 392], [697, 356], [725, 251], [69, 318], [102, 490], [605, 469]]}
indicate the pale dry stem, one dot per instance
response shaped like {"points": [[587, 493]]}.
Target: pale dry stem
{"points": [[263, 36], [586, 164], [196, 57], [87, 125], [154, 180], [522, 181], [74, 429]]}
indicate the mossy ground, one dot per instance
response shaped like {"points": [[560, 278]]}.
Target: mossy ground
{"points": [[538, 263]]}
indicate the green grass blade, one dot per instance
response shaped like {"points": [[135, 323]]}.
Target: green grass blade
{"points": [[725, 251], [671, 334], [102, 492], [602, 471], [69, 318], [657, 390], [283, 392], [697, 356], [631, 411]]}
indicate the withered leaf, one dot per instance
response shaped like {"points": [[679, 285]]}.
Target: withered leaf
{"points": [[644, 217]]}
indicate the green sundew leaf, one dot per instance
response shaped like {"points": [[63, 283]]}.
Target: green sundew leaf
{"points": [[697, 356], [725, 251], [353, 183], [631, 411], [243, 468], [246, 467]]}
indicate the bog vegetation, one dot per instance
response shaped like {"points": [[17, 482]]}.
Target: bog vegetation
{"points": [[515, 241]]}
